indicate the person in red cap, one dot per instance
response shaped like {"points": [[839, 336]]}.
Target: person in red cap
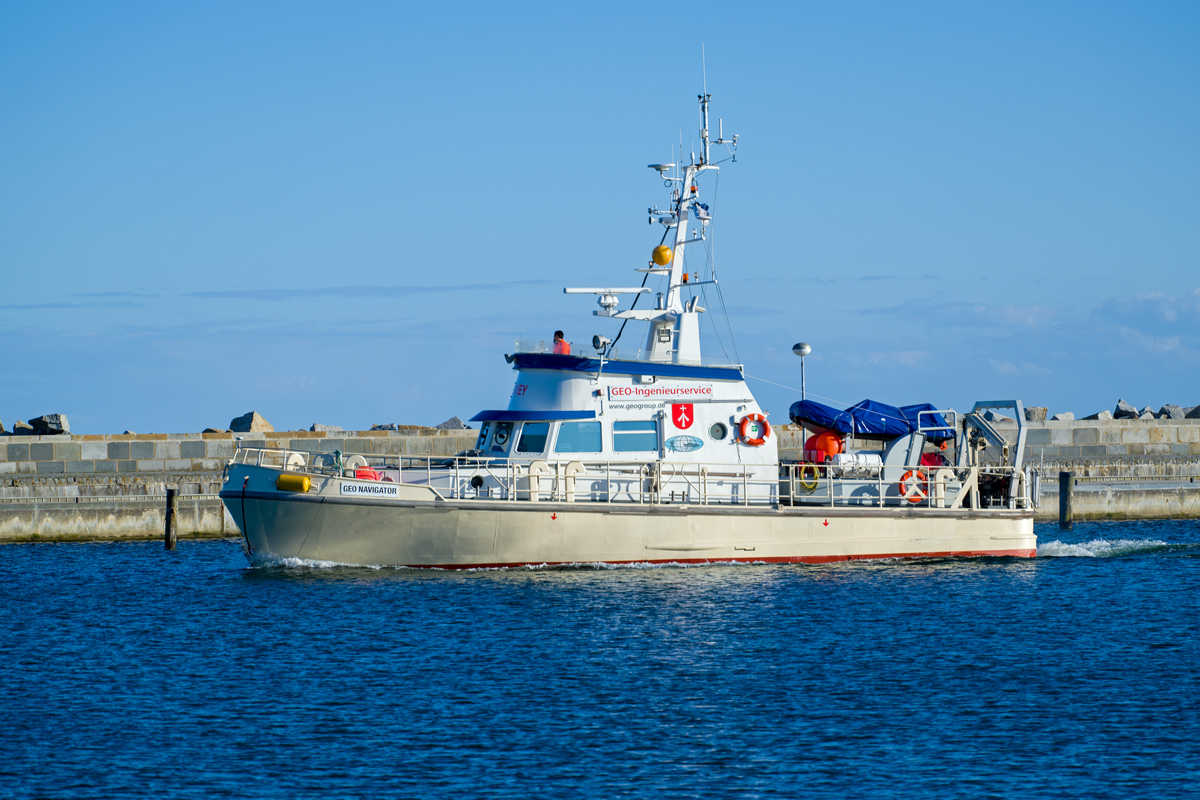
{"points": [[561, 348]]}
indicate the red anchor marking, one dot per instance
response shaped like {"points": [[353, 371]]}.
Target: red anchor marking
{"points": [[555, 516], [825, 523]]}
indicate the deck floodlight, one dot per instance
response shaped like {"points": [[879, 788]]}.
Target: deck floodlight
{"points": [[599, 342]]}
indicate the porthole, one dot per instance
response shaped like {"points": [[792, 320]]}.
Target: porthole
{"points": [[718, 431]]}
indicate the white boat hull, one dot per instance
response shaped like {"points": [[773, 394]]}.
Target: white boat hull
{"points": [[480, 533]]}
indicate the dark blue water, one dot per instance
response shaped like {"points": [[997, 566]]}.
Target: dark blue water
{"points": [[127, 671]]}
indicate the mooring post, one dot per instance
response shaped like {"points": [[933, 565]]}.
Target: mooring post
{"points": [[172, 515], [1066, 488]]}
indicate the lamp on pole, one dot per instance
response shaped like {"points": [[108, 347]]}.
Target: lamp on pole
{"points": [[802, 349]]}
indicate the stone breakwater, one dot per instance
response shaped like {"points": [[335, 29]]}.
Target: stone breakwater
{"points": [[64, 487], [135, 454]]}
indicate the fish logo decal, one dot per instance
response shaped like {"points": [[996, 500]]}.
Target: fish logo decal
{"points": [[683, 444]]}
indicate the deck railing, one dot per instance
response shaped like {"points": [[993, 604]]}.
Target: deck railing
{"points": [[666, 482]]}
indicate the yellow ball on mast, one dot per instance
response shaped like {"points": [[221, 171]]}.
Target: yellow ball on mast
{"points": [[662, 255]]}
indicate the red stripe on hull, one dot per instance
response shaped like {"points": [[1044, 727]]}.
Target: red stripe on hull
{"points": [[1022, 553]]}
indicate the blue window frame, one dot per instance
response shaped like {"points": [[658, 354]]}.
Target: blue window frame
{"points": [[533, 437], [635, 435], [578, 437]]}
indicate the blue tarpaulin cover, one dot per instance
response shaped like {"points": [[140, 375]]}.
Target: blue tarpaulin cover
{"points": [[870, 419], [820, 415], [875, 420]]}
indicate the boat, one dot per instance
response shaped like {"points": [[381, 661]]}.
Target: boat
{"points": [[654, 453]]}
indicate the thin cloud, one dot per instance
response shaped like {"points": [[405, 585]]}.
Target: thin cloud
{"points": [[1158, 310], [750, 311], [908, 358], [974, 314], [888, 277], [280, 295], [115, 294], [46, 306]]}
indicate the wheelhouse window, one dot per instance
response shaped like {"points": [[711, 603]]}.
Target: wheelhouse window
{"points": [[578, 437], [533, 437], [501, 438], [635, 435], [484, 430]]}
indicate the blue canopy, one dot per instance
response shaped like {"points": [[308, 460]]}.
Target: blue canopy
{"points": [[871, 419], [821, 416], [875, 420]]}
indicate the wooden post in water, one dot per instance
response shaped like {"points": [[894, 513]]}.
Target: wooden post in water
{"points": [[172, 516], [1066, 488]]}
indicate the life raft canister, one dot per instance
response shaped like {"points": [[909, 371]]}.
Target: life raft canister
{"points": [[745, 425], [912, 486]]}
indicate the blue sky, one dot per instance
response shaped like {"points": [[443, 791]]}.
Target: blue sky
{"points": [[345, 213]]}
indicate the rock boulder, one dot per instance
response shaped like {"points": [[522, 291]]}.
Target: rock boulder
{"points": [[1036, 413], [1065, 416], [1171, 412], [452, 424], [316, 426], [50, 424], [22, 429], [387, 426], [215, 430], [1104, 416], [251, 422], [1125, 411], [1188, 413]]}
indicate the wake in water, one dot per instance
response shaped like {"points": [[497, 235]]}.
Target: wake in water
{"points": [[1105, 548], [277, 562]]}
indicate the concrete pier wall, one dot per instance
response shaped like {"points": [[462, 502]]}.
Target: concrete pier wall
{"points": [[107, 519], [1124, 501]]}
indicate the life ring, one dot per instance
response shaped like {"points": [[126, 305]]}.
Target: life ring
{"points": [[807, 486], [766, 429], [912, 486]]}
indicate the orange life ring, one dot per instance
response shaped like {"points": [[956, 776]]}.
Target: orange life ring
{"points": [[912, 486], [746, 420]]}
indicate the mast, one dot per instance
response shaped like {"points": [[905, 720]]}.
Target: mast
{"points": [[674, 330]]}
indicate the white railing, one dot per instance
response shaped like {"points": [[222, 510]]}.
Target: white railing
{"points": [[880, 486], [604, 481], [660, 481]]}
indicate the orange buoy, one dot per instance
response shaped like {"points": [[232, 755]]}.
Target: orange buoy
{"points": [[912, 486], [764, 426]]}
